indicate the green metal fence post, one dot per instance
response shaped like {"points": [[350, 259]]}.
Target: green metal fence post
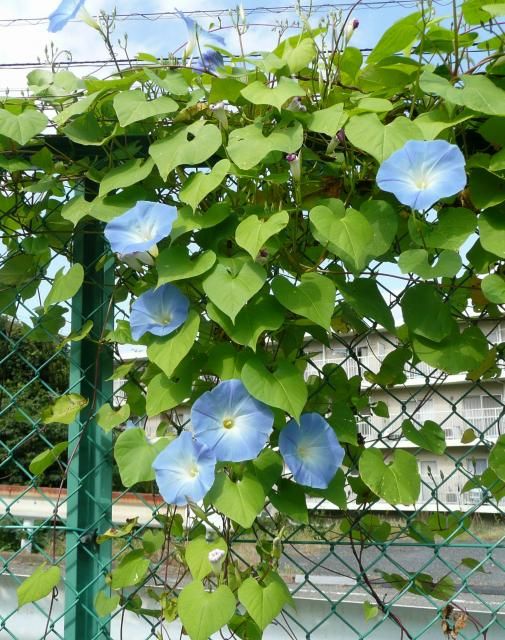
{"points": [[89, 483]]}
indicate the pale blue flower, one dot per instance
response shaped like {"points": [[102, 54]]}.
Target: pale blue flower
{"points": [[421, 173], [65, 11], [311, 450], [233, 424], [185, 470], [199, 37], [160, 311], [141, 227]]}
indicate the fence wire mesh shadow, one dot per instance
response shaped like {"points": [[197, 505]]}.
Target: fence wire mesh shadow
{"points": [[355, 565]]}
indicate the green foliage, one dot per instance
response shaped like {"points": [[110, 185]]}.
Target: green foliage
{"points": [[279, 258], [40, 584]]}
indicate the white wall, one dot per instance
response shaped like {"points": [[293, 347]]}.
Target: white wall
{"points": [[29, 623]]}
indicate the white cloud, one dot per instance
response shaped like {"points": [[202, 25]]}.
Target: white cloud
{"points": [[24, 42]]}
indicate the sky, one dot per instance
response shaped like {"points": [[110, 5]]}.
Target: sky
{"points": [[25, 41]]}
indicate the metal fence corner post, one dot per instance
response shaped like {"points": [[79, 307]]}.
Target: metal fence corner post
{"points": [[89, 482]]}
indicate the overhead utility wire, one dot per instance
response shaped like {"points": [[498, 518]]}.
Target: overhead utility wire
{"points": [[218, 13]]}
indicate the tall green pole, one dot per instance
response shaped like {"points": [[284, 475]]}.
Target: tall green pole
{"points": [[89, 482]]}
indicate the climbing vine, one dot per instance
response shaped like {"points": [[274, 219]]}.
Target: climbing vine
{"points": [[254, 206]]}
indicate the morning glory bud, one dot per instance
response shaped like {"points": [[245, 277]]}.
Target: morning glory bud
{"points": [[350, 29], [216, 559], [277, 548], [294, 166]]}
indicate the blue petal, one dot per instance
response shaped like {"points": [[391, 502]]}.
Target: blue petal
{"points": [[185, 470], [66, 10], [252, 422], [311, 450], [195, 30], [210, 61], [160, 311], [141, 227], [422, 172]]}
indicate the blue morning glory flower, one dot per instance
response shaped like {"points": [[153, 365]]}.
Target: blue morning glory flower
{"points": [[233, 424], [141, 227], [184, 470], [422, 172], [311, 450], [210, 61], [160, 311], [65, 11], [199, 37]]}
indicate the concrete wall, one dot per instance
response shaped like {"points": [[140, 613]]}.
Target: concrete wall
{"points": [[29, 623]]}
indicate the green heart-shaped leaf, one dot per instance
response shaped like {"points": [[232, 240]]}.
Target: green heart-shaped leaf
{"points": [[135, 455], [190, 145], [259, 315], [40, 584], [174, 263], [197, 555], [313, 298], [283, 388], [369, 134], [348, 234], [200, 184], [167, 353], [258, 93], [203, 613], [398, 482], [22, 127], [230, 292], [252, 233], [263, 604], [247, 146], [132, 106], [241, 501]]}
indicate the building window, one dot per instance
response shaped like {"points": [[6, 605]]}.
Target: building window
{"points": [[484, 413]]}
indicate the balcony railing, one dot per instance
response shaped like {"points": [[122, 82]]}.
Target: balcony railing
{"points": [[488, 422], [351, 366]]}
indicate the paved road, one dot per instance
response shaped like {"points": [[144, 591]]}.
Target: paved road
{"points": [[401, 559]]}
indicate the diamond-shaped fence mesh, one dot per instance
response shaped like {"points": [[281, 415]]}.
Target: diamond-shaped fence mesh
{"points": [[427, 570]]}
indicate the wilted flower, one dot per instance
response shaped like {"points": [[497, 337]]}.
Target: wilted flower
{"points": [[159, 311], [65, 11], [216, 558], [294, 166], [137, 259], [311, 450], [185, 470], [140, 228], [420, 173], [296, 104], [233, 424]]}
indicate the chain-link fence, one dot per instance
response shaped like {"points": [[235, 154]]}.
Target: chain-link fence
{"points": [[356, 567]]}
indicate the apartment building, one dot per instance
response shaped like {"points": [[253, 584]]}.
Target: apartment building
{"points": [[472, 415]]}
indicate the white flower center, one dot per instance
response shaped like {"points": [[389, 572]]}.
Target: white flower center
{"points": [[422, 183], [145, 232], [193, 470], [166, 318], [303, 451]]}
